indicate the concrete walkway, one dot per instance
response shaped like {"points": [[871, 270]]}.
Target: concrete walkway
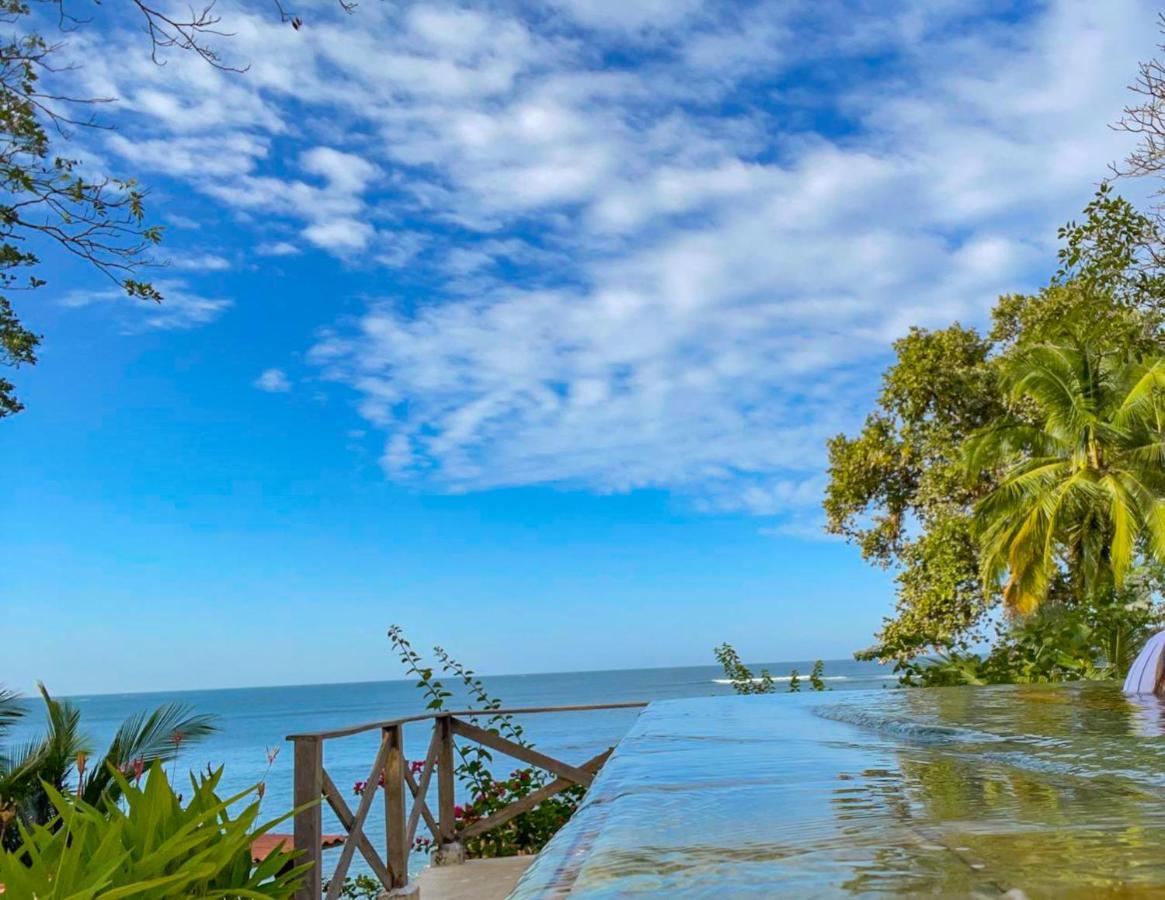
{"points": [[477, 879]]}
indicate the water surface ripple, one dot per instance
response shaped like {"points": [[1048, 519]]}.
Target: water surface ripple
{"points": [[1030, 791]]}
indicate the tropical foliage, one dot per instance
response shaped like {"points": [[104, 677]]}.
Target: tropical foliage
{"points": [[149, 846], [484, 792], [1080, 492], [898, 488], [1096, 639], [62, 760], [1020, 472]]}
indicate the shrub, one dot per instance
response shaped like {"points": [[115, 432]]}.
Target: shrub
{"points": [[527, 832], [150, 846], [1094, 640], [745, 682]]}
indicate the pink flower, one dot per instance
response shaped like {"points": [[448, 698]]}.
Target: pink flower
{"points": [[139, 766], [416, 766], [458, 812], [358, 787]]}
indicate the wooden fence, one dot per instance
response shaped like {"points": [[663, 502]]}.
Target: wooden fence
{"points": [[405, 795]]}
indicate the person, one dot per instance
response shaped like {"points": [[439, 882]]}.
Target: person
{"points": [[1147, 671]]}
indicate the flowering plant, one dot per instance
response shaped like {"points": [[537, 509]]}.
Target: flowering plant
{"points": [[486, 794]]}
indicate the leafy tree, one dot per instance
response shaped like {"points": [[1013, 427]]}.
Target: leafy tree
{"points": [[62, 759], [46, 198], [1082, 484], [1113, 254], [899, 488]]}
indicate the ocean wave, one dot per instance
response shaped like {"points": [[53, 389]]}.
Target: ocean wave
{"points": [[784, 678]]}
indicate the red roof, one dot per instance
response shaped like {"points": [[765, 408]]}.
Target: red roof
{"points": [[266, 844]]}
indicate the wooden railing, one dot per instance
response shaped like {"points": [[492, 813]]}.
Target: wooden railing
{"points": [[391, 774]]}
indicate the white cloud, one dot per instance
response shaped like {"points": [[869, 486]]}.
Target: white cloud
{"points": [[277, 248], [344, 172], [197, 262], [653, 244], [182, 307], [339, 234], [273, 381], [620, 15]]}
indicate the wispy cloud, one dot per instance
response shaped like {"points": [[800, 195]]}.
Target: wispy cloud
{"points": [[277, 248], [196, 262], [654, 244], [181, 307]]}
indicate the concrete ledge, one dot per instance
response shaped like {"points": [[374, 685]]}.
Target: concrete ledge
{"points": [[478, 879]]}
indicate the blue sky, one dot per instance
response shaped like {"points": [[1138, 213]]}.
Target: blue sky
{"points": [[521, 325]]}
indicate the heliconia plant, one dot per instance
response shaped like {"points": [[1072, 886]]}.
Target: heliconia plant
{"points": [[150, 846]]}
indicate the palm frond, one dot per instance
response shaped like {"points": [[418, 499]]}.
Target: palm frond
{"points": [[145, 737], [12, 710]]}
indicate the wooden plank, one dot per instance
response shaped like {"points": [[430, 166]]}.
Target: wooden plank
{"points": [[336, 882], [307, 788], [525, 754], [530, 800], [424, 807], [521, 711], [446, 787], [422, 788], [395, 831], [344, 814]]}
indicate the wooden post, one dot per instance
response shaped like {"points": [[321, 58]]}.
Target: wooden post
{"points": [[445, 782], [309, 826], [395, 829]]}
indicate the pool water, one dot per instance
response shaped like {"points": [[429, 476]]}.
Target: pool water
{"points": [[1036, 791]]}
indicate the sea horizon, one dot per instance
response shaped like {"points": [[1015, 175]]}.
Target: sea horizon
{"points": [[779, 670]]}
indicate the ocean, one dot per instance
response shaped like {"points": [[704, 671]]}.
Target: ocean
{"points": [[252, 722]]}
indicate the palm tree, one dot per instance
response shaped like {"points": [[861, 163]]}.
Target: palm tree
{"points": [[1080, 464], [62, 756]]}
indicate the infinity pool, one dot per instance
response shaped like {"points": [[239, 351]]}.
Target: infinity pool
{"points": [[1040, 791]]}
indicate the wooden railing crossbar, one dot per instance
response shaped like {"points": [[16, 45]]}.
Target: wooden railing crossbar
{"points": [[420, 805], [517, 751], [531, 800], [421, 789], [356, 830], [391, 773], [344, 814]]}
